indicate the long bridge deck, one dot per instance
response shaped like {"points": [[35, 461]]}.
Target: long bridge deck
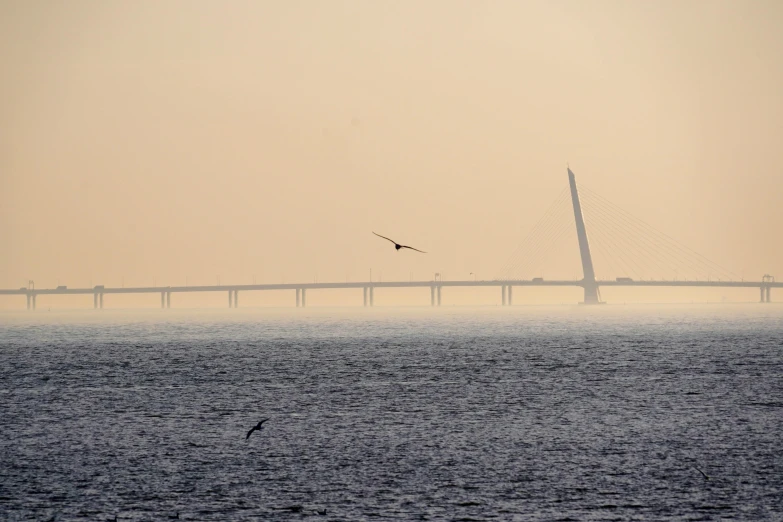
{"points": [[380, 284], [368, 288]]}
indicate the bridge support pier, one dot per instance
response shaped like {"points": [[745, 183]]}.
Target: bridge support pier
{"points": [[28, 301], [230, 299], [298, 297], [503, 292], [769, 294], [304, 297], [439, 293], [510, 295], [762, 296], [372, 296], [95, 301], [163, 300], [34, 299], [101, 300], [236, 298], [591, 294], [168, 300], [364, 294], [432, 296]]}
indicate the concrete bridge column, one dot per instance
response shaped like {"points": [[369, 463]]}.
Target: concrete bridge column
{"points": [[168, 300], [372, 296], [101, 300], [439, 291], [230, 299], [503, 291], [34, 299], [95, 300], [163, 300], [28, 301], [364, 291], [510, 295], [236, 298], [761, 290], [298, 298], [769, 294], [304, 297], [432, 296]]}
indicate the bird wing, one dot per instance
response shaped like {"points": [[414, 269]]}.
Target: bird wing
{"points": [[250, 432], [261, 422], [416, 249], [386, 238]]}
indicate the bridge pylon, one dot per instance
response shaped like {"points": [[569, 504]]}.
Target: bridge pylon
{"points": [[588, 281]]}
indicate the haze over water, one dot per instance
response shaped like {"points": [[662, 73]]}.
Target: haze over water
{"points": [[562, 413]]}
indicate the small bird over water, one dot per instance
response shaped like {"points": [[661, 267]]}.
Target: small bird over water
{"points": [[399, 246], [256, 427]]}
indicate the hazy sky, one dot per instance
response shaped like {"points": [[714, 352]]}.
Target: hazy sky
{"points": [[152, 140]]}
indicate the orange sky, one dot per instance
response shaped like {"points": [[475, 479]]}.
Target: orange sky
{"points": [[154, 141]]}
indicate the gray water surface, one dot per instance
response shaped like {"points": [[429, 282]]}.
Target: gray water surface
{"points": [[521, 414]]}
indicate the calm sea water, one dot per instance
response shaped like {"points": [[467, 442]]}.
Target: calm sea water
{"points": [[603, 413]]}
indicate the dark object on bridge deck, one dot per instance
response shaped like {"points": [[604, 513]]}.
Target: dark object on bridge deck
{"points": [[624, 280]]}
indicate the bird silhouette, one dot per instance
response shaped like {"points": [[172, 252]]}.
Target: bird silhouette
{"points": [[256, 427], [399, 246]]}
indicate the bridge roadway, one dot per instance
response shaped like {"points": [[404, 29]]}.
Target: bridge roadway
{"points": [[368, 288]]}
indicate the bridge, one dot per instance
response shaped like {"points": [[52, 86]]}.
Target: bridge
{"points": [[628, 244]]}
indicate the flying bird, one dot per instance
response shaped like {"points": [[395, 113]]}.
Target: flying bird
{"points": [[399, 246], [256, 427]]}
